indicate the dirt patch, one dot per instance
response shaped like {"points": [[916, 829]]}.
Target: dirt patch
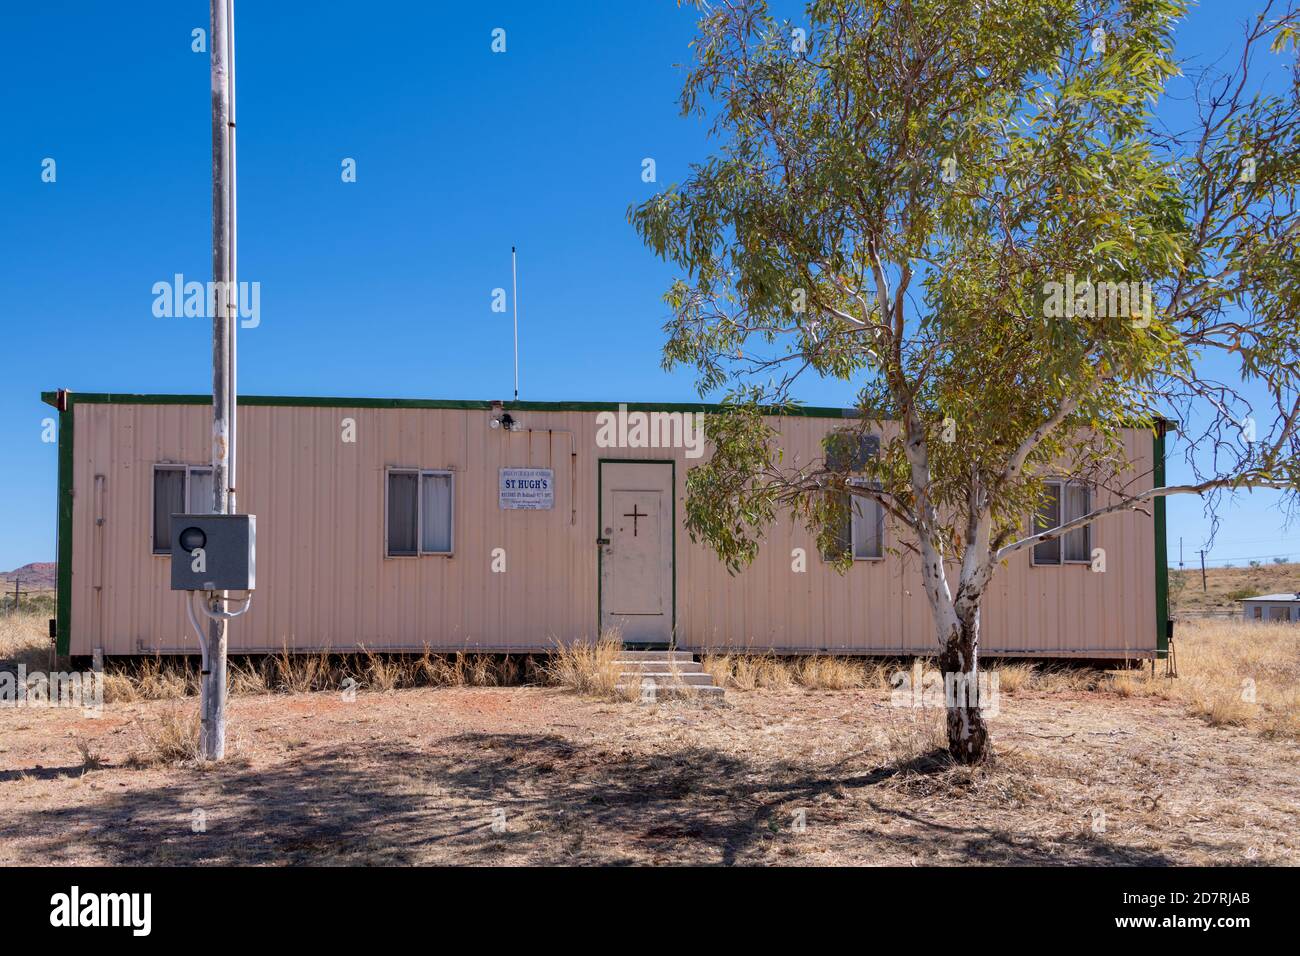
{"points": [[540, 775]]}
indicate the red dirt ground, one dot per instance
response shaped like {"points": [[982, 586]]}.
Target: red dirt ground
{"points": [[532, 775]]}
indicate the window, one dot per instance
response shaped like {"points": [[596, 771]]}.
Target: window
{"points": [[178, 489], [420, 513], [435, 513], [1078, 543], [863, 536], [1259, 612], [866, 526], [850, 451], [1065, 502]]}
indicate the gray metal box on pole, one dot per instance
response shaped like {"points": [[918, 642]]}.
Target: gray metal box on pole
{"points": [[214, 552]]}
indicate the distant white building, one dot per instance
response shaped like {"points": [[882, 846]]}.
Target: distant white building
{"points": [[1272, 607]]}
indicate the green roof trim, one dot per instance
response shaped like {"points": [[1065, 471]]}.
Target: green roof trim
{"points": [[63, 537], [307, 401], [300, 401]]}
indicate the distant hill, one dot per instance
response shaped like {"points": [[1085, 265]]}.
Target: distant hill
{"points": [[1225, 587], [37, 576]]}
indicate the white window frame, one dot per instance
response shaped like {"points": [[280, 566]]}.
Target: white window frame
{"points": [[853, 545], [185, 491], [420, 474], [1060, 485]]}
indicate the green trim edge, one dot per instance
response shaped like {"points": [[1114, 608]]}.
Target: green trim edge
{"points": [[1162, 546], [124, 398], [63, 548]]}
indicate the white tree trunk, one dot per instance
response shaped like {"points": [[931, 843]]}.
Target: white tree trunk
{"points": [[956, 618]]}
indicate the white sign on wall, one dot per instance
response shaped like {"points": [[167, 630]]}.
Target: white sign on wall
{"points": [[528, 489]]}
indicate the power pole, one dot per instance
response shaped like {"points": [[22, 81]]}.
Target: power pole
{"points": [[212, 708], [1180, 552], [1203, 586]]}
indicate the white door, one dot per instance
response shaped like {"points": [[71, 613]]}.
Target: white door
{"points": [[636, 561]]}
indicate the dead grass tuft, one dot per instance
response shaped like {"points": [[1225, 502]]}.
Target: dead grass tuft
{"points": [[1014, 677], [90, 757], [914, 732], [588, 668], [302, 673], [169, 737], [830, 673], [382, 672], [250, 677]]}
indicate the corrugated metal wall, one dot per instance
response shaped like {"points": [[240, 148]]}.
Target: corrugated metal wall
{"points": [[323, 579]]}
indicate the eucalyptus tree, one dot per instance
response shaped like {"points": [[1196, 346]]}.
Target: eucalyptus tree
{"points": [[1016, 227]]}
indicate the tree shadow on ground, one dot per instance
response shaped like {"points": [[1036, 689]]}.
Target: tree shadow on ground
{"points": [[535, 798]]}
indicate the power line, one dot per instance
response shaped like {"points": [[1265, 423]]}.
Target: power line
{"points": [[1251, 557]]}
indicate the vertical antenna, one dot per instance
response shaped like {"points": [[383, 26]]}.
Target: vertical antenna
{"points": [[514, 296]]}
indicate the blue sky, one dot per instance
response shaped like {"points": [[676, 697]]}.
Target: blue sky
{"points": [[380, 287]]}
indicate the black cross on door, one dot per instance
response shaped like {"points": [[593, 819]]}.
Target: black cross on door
{"points": [[635, 514]]}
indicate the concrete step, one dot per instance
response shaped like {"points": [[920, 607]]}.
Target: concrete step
{"points": [[677, 691], [631, 655], [682, 666], [665, 678]]}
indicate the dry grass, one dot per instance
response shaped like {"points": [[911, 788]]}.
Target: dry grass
{"points": [[299, 673], [769, 672], [1230, 673], [913, 732], [1047, 677], [588, 668], [289, 673], [170, 736], [1014, 677], [745, 671], [415, 777], [248, 677], [150, 678], [24, 640], [90, 757]]}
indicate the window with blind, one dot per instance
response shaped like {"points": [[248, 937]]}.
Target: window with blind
{"points": [[178, 489], [420, 513], [1065, 502], [866, 526], [863, 534]]}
